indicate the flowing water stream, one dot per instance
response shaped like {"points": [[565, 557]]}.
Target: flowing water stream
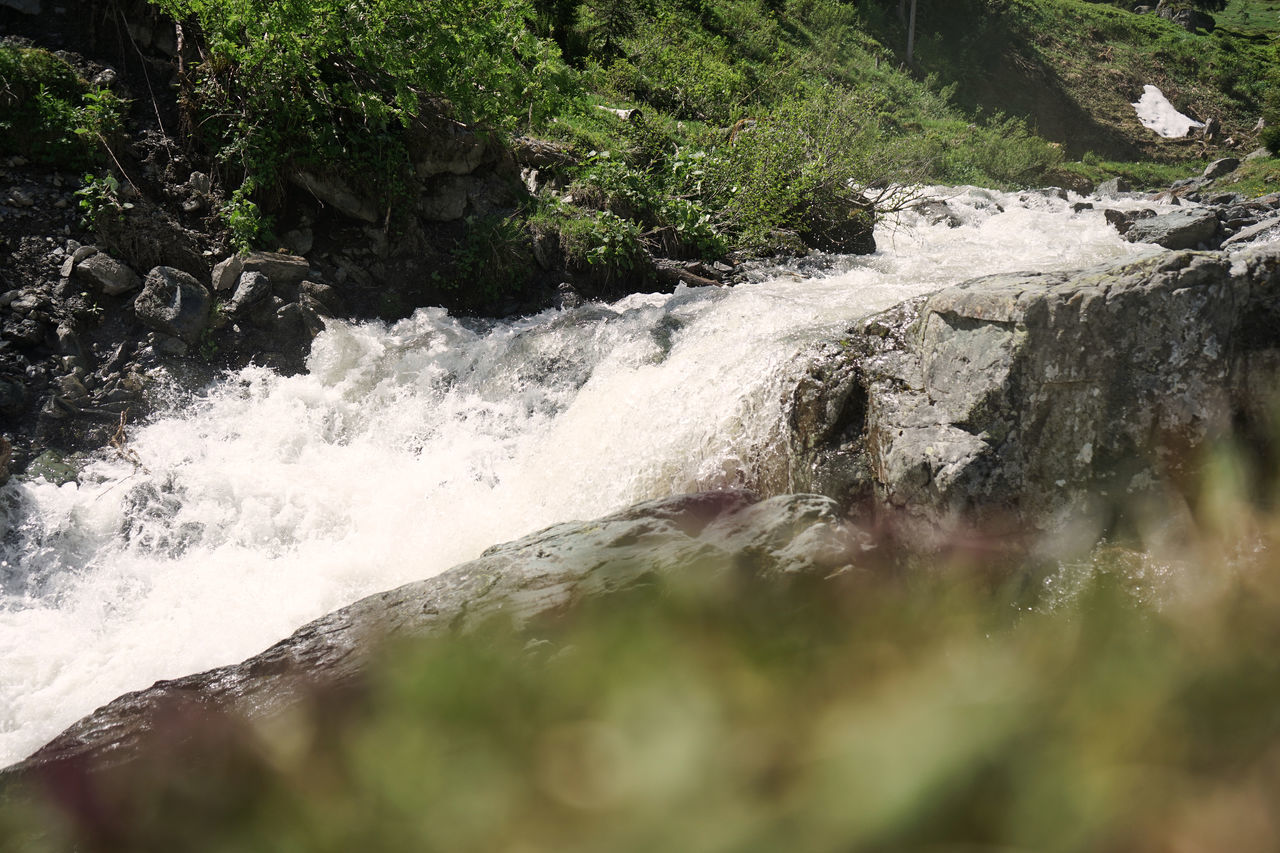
{"points": [[265, 501]]}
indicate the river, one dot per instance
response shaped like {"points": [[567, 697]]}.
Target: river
{"points": [[263, 502]]}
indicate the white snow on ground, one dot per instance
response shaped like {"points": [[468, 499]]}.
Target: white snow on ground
{"points": [[1155, 112]]}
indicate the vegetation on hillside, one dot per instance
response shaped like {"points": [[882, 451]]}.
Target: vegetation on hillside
{"points": [[760, 124], [50, 114]]}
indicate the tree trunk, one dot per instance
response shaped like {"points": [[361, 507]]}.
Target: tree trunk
{"points": [[911, 35]]}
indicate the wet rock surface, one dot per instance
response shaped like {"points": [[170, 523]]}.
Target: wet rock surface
{"points": [[706, 538], [1027, 400]]}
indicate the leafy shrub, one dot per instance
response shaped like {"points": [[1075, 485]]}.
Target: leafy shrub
{"points": [[332, 84], [49, 114], [601, 248], [99, 200], [492, 260], [799, 175]]}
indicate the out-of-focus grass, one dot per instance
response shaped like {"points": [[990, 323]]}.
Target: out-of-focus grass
{"points": [[1131, 703]]}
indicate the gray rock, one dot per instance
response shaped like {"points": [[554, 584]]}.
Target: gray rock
{"points": [[200, 183], [226, 273], [936, 211], [1182, 229], [446, 200], [27, 7], [1113, 188], [335, 192], [1035, 398], [110, 276], [174, 303], [327, 298], [449, 149], [1218, 168], [702, 541], [252, 288], [540, 153], [286, 270], [54, 468], [1257, 154], [1252, 232]]}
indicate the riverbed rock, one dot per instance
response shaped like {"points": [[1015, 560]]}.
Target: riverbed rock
{"points": [[174, 303], [226, 273], [1036, 399], [252, 288], [282, 269], [703, 541], [1181, 229], [1113, 188], [110, 276]]}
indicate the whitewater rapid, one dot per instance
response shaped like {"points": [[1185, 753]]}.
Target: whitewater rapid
{"points": [[267, 501]]}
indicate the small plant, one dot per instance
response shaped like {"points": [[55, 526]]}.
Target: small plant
{"points": [[244, 219], [99, 201], [491, 260]]}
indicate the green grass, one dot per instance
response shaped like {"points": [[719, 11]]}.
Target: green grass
{"points": [[1142, 175], [1254, 178], [1250, 16]]}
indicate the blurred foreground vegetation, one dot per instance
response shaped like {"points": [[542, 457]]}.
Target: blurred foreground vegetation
{"points": [[1130, 702]]}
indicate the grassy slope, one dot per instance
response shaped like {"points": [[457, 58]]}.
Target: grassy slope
{"points": [[1073, 68]]}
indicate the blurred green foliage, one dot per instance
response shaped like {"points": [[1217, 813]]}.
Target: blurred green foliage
{"points": [[1127, 702]]}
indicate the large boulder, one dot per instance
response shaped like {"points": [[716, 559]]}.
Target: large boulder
{"points": [[174, 303], [1038, 398], [1181, 229], [708, 538]]}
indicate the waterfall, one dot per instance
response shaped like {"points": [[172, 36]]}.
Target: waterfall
{"points": [[265, 501]]}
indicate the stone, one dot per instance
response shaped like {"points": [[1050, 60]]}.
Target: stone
{"points": [[200, 183], [1218, 168], [285, 270], [540, 153], [104, 272], [446, 200], [449, 148], [695, 542], [299, 240], [936, 211], [328, 302], [1113, 188], [1253, 232], [337, 193], [1257, 154], [1023, 400], [174, 303], [27, 7], [252, 288], [1182, 229], [226, 273], [105, 79], [52, 467]]}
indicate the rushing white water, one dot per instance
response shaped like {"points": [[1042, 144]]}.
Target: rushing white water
{"points": [[405, 450]]}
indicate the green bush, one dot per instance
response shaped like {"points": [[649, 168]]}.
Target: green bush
{"points": [[331, 85], [798, 177], [49, 114]]}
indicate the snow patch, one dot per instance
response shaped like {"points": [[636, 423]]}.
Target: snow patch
{"points": [[1156, 113]]}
